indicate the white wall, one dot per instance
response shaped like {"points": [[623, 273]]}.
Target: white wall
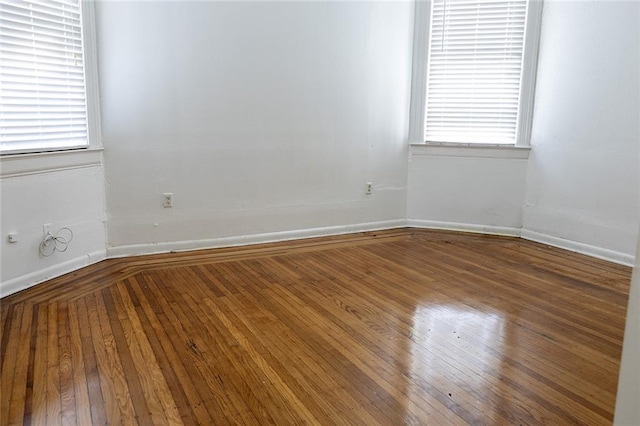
{"points": [[580, 188], [266, 119], [65, 198], [259, 117], [583, 175], [468, 189]]}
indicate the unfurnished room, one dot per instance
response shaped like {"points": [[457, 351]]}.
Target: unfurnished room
{"points": [[330, 212]]}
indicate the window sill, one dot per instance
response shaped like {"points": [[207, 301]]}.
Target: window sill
{"points": [[13, 165], [470, 150]]}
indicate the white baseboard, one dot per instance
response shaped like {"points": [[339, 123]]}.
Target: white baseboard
{"points": [[464, 227], [582, 248], [29, 280], [242, 240], [589, 250], [23, 282]]}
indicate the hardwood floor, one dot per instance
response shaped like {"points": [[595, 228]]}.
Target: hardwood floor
{"points": [[395, 327]]}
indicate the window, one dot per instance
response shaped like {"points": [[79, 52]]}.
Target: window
{"points": [[43, 96], [479, 70]]}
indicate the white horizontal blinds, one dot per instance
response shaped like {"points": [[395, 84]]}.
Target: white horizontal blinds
{"points": [[42, 86], [474, 70]]}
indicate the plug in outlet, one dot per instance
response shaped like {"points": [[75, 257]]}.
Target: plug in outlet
{"points": [[46, 228], [167, 200], [368, 189]]}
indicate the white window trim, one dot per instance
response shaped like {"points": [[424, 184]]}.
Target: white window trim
{"points": [[27, 163], [92, 84], [419, 77], [473, 150]]}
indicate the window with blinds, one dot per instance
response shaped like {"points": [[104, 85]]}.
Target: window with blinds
{"points": [[474, 70], [42, 80]]}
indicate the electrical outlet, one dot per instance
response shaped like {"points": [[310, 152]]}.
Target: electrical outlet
{"points": [[368, 190], [13, 237], [167, 200], [46, 228]]}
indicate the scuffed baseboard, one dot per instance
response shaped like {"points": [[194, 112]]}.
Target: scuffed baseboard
{"points": [[582, 248], [23, 282], [270, 237], [464, 227], [36, 277]]}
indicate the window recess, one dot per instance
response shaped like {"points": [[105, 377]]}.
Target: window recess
{"points": [[478, 72]]}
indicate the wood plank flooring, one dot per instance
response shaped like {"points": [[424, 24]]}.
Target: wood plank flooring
{"points": [[395, 327]]}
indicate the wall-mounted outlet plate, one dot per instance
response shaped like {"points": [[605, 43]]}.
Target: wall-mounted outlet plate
{"points": [[167, 201], [368, 189]]}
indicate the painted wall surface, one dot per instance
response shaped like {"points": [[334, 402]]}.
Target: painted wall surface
{"points": [[269, 117], [258, 117], [628, 399], [69, 198], [469, 191], [583, 175]]}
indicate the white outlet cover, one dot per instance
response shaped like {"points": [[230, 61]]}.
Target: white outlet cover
{"points": [[167, 199]]}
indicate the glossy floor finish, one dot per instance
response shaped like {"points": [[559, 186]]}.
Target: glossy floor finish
{"points": [[395, 327]]}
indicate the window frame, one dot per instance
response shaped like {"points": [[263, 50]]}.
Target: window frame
{"points": [[421, 30], [92, 98]]}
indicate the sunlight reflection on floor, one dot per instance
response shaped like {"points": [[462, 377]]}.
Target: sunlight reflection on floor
{"points": [[448, 353]]}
